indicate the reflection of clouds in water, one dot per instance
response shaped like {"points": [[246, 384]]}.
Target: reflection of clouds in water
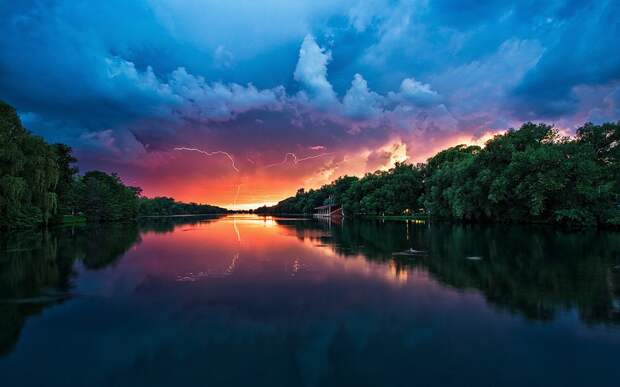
{"points": [[396, 273], [318, 307], [193, 277]]}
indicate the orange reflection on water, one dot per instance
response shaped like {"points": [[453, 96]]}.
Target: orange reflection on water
{"points": [[251, 245]]}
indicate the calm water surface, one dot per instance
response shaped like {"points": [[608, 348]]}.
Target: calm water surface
{"points": [[251, 301]]}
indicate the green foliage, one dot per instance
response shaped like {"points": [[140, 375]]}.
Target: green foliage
{"points": [[29, 174], [39, 183], [66, 179], [104, 198], [392, 192], [164, 206], [304, 202], [527, 175]]}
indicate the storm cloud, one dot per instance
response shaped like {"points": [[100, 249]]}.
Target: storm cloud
{"points": [[126, 82]]}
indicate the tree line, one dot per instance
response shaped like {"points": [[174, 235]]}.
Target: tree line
{"points": [[40, 184], [530, 174]]}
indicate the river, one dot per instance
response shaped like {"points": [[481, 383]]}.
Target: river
{"points": [[244, 300]]}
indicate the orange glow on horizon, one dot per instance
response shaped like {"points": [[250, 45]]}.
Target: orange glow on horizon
{"points": [[253, 188]]}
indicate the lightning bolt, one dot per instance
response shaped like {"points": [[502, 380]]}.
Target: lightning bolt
{"points": [[232, 265], [214, 153], [234, 218], [236, 230], [236, 196], [297, 160]]}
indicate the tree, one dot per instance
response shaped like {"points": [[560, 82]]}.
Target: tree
{"points": [[530, 174], [103, 197], [29, 174], [162, 206], [67, 200]]}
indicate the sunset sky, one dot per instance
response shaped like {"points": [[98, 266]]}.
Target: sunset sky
{"points": [[260, 98]]}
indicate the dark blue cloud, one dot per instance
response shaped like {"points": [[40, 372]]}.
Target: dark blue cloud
{"points": [[582, 52], [146, 73]]}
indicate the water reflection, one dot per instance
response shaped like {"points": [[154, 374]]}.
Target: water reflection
{"points": [[534, 271], [163, 225], [36, 268], [270, 301]]}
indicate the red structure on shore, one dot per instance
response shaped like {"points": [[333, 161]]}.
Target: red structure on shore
{"points": [[328, 211]]}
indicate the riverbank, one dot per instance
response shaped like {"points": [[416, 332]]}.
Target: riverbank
{"points": [[418, 217]]}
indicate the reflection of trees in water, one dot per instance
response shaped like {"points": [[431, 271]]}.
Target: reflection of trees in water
{"points": [[113, 241], [36, 268], [166, 224], [28, 264], [533, 271]]}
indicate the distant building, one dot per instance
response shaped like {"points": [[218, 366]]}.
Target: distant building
{"points": [[329, 210]]}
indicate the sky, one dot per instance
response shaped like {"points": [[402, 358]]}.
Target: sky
{"points": [[239, 103]]}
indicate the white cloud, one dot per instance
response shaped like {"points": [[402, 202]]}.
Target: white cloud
{"points": [[218, 101], [126, 78], [191, 95], [385, 157], [415, 106], [311, 72], [359, 101], [415, 92]]}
